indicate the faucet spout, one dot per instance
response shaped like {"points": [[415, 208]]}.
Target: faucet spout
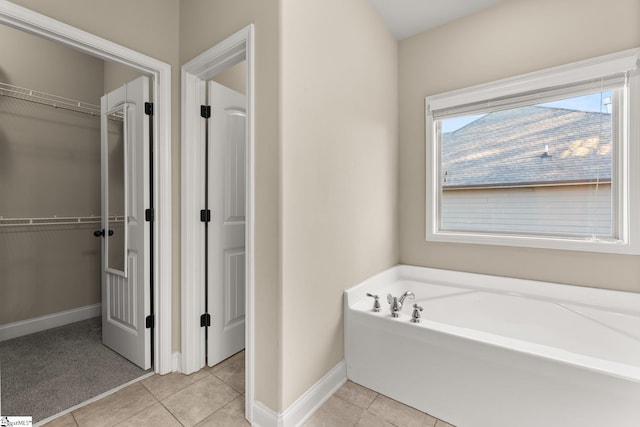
{"points": [[395, 303], [406, 294]]}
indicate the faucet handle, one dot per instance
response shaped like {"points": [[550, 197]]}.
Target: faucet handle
{"points": [[376, 302], [415, 317]]}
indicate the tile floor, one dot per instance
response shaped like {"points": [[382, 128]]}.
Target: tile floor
{"points": [[215, 397], [354, 405]]}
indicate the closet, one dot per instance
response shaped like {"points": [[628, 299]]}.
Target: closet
{"points": [[49, 178], [50, 207]]}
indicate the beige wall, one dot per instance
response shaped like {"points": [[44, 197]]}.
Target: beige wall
{"points": [[203, 23], [117, 75], [47, 269], [49, 166], [149, 27], [512, 38], [234, 78], [39, 64], [324, 179], [49, 158], [339, 169]]}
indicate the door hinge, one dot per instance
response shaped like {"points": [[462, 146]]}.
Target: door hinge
{"points": [[205, 320], [150, 321], [205, 111], [205, 215], [149, 215], [148, 108]]}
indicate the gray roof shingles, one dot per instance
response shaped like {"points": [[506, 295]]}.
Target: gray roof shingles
{"points": [[506, 148]]}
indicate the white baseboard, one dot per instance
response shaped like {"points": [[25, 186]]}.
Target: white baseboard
{"points": [[306, 405], [176, 362], [42, 323], [264, 416]]}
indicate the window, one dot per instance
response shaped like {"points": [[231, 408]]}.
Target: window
{"points": [[549, 159]]}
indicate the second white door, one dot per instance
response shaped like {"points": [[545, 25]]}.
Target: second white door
{"points": [[227, 184]]}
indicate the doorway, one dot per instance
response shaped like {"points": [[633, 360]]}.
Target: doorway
{"points": [[54, 31], [196, 74], [50, 259]]}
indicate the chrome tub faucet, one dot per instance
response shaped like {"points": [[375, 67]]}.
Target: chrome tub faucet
{"points": [[415, 316], [396, 303], [376, 302]]}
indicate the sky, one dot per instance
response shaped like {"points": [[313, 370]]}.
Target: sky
{"points": [[591, 102]]}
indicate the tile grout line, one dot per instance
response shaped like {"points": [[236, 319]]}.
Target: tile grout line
{"points": [[227, 384], [158, 401], [364, 410], [171, 413], [74, 419], [377, 416], [214, 412], [195, 382], [140, 411], [178, 391]]}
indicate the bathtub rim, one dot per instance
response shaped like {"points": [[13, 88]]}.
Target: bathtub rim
{"points": [[622, 302]]}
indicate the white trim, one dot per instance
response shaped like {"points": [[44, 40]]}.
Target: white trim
{"points": [[593, 68], [250, 358], [192, 234], [264, 416], [41, 25], [306, 405], [628, 163], [42, 323], [234, 49], [93, 399], [176, 363]]}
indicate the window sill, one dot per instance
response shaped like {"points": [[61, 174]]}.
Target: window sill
{"points": [[542, 242]]}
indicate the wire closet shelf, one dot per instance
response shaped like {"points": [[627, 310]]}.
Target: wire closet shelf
{"points": [[56, 220], [48, 99], [63, 103], [9, 222]]}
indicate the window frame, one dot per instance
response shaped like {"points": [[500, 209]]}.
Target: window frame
{"points": [[626, 162]]}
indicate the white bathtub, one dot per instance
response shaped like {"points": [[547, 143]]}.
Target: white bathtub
{"points": [[498, 352]]}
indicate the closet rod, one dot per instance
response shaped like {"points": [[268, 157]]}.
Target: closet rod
{"points": [[56, 220], [47, 99]]}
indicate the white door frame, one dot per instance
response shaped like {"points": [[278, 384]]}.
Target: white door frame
{"points": [[195, 73], [35, 23]]}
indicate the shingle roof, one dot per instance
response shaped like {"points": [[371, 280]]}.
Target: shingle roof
{"points": [[507, 148]]}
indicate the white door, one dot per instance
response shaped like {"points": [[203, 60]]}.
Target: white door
{"points": [[125, 195], [227, 178]]}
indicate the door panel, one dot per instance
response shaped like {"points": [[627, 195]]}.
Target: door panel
{"points": [[125, 286], [227, 182], [234, 287]]}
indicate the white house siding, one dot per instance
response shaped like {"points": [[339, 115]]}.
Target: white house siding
{"points": [[571, 209]]}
